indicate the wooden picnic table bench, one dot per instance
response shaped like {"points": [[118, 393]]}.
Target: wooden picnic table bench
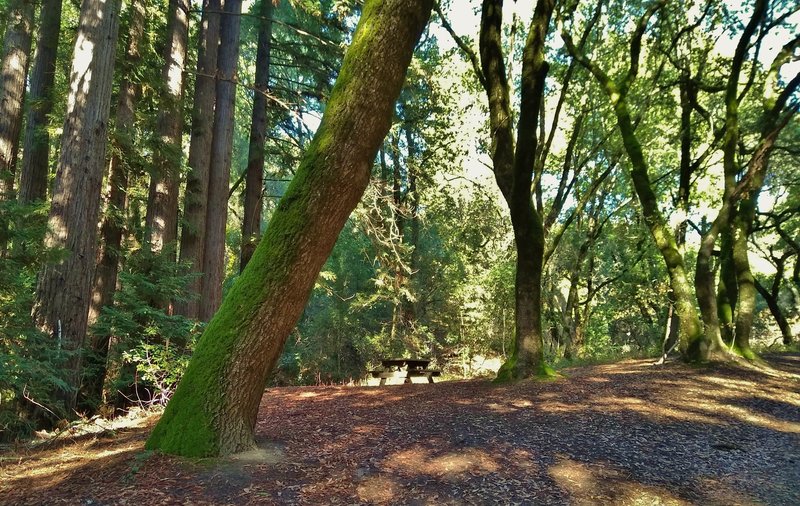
{"points": [[405, 368]]}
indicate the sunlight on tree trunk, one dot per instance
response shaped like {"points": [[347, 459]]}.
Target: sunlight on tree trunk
{"points": [[196, 196], [64, 289], [214, 409]]}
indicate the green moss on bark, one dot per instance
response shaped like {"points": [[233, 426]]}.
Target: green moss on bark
{"points": [[509, 373]]}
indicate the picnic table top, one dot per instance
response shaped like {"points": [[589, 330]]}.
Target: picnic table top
{"points": [[414, 363]]}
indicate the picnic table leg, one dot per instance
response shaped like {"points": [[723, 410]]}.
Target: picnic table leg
{"points": [[383, 381], [430, 378]]}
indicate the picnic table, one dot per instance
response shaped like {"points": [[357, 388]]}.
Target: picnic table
{"points": [[405, 368]]}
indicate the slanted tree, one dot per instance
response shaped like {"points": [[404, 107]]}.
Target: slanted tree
{"points": [[693, 342], [64, 288], [214, 409]]}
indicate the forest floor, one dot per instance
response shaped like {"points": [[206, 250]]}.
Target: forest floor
{"points": [[623, 433]]}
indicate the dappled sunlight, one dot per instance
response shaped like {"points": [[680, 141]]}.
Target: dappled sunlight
{"points": [[599, 483], [51, 468], [378, 489], [420, 459], [502, 409]]}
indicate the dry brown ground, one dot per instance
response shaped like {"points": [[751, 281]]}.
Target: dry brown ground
{"points": [[625, 433]]}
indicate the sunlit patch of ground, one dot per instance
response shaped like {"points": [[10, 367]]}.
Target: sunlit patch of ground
{"points": [[626, 433], [602, 484]]}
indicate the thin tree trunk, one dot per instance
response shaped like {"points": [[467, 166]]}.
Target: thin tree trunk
{"points": [[112, 228], [214, 409], [35, 163], [254, 185], [196, 197], [413, 190], [777, 313], [693, 343], [13, 73], [220, 167], [61, 306], [162, 202]]}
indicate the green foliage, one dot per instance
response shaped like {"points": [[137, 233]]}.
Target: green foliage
{"points": [[145, 335], [29, 361]]}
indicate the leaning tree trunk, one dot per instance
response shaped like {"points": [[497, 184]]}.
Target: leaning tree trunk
{"points": [[254, 185], [220, 167], [14, 68], [61, 307], [693, 343], [162, 202], [213, 411], [196, 197], [33, 177], [772, 303]]}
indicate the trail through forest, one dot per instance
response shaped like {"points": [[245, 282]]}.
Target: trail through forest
{"points": [[623, 433]]}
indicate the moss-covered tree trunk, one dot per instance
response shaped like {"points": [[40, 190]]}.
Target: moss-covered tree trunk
{"points": [[513, 165], [214, 409], [693, 344]]}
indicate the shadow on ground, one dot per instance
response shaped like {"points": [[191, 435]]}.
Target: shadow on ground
{"points": [[626, 433]]}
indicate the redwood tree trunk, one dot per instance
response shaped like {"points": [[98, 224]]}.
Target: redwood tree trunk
{"points": [[214, 409], [220, 167], [254, 185], [162, 201], [35, 163], [13, 72], [62, 295], [112, 228], [196, 197]]}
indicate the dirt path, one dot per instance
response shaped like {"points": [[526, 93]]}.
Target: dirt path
{"points": [[626, 433]]}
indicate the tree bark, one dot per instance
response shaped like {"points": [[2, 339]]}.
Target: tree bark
{"points": [[513, 169], [693, 343], [213, 411], [196, 197], [112, 228], [254, 185], [775, 309], [36, 146], [220, 167], [61, 306], [14, 67], [162, 202]]}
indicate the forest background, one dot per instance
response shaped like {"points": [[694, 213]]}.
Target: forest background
{"points": [[204, 111]]}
